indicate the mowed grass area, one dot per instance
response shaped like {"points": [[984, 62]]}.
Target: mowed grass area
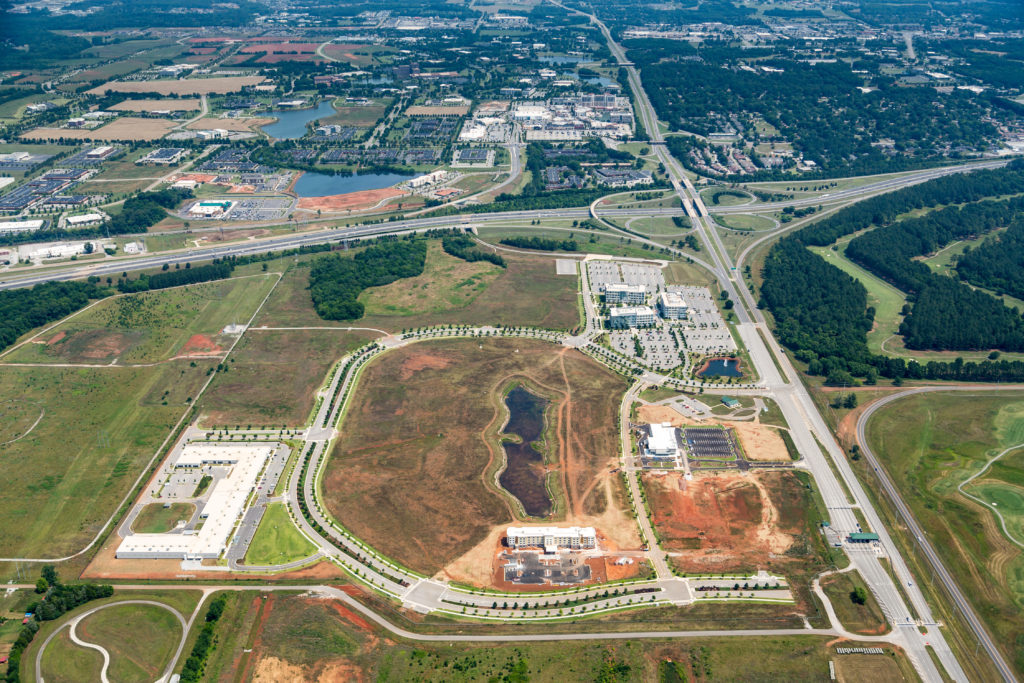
{"points": [[358, 117], [272, 377], [1003, 487], [277, 540], [528, 292], [929, 444], [866, 619], [296, 638], [64, 479], [407, 473], [139, 638], [151, 326], [65, 662], [886, 299], [156, 518], [589, 241], [657, 226], [745, 221]]}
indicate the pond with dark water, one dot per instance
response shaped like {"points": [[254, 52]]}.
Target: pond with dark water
{"points": [[524, 475], [721, 367]]}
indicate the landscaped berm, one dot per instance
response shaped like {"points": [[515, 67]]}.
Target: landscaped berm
{"points": [[413, 472]]}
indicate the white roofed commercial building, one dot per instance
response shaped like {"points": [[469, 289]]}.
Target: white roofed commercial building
{"points": [[84, 220], [551, 538], [618, 293], [662, 441], [672, 306], [631, 316], [221, 512], [20, 226]]}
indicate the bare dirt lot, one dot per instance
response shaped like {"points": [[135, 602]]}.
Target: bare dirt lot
{"points": [[421, 110], [124, 128], [188, 86], [759, 442], [408, 473], [169, 104], [352, 201]]}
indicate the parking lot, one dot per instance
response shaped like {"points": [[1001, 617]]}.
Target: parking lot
{"points": [[709, 442], [603, 273], [260, 208], [660, 345], [705, 329]]}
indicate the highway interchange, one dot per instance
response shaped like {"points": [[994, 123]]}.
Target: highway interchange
{"points": [[839, 487]]}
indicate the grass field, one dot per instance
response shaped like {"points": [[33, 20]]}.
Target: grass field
{"points": [[865, 619], [151, 326], [656, 226], [724, 196], [931, 443], [413, 440], [745, 221], [277, 540], [157, 519], [887, 300], [359, 117], [603, 242], [139, 638], [299, 639], [528, 292], [64, 478], [65, 662], [273, 376]]}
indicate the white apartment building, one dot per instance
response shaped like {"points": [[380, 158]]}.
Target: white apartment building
{"points": [[552, 538]]}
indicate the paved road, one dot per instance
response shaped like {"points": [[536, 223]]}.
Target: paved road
{"points": [[917, 532]]}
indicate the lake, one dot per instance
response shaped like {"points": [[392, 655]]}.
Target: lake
{"points": [[523, 476], [291, 123], [324, 184], [721, 367]]}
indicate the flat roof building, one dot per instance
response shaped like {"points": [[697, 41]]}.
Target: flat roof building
{"points": [[618, 293], [672, 306], [662, 442], [552, 538], [20, 226], [84, 220], [631, 316]]}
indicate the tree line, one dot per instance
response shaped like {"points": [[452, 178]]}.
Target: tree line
{"points": [[997, 263], [463, 247], [541, 243], [22, 310], [336, 281]]}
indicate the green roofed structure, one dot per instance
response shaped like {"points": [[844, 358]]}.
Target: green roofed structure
{"points": [[862, 537]]}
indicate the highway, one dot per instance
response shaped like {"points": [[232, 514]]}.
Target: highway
{"points": [[808, 429]]}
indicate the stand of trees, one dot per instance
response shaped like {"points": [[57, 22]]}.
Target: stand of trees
{"points": [[176, 278], [192, 670], [335, 282], [145, 210], [541, 243], [24, 309], [998, 263], [463, 247]]}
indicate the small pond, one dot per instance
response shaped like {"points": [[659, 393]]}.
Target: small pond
{"points": [[291, 123], [721, 367], [524, 475]]}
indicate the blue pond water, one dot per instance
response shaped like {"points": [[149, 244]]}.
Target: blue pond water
{"points": [[291, 124], [721, 367], [323, 184]]}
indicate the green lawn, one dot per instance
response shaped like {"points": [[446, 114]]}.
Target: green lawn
{"points": [[277, 540], [866, 619], [745, 221], [65, 662], [139, 638], [157, 519]]}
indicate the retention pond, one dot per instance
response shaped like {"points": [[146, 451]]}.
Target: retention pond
{"points": [[523, 476]]}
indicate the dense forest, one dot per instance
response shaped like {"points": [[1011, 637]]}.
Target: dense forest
{"points": [[541, 243], [177, 277], [998, 263], [24, 309], [145, 210], [822, 315], [335, 281]]}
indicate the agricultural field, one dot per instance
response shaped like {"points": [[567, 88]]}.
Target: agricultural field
{"points": [[273, 376], [170, 104], [357, 55], [185, 86], [150, 327], [296, 638], [277, 540], [421, 429], [92, 431], [932, 443], [125, 128], [528, 292], [727, 522]]}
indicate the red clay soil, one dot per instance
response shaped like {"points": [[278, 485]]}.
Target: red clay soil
{"points": [[253, 655], [351, 617], [200, 343], [56, 338], [107, 346], [351, 201]]}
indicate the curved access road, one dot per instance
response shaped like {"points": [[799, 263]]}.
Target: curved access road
{"points": [[73, 623], [927, 549]]}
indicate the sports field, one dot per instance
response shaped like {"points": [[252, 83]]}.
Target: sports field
{"points": [[528, 292], [273, 376], [277, 540], [929, 444], [420, 433], [151, 326]]}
